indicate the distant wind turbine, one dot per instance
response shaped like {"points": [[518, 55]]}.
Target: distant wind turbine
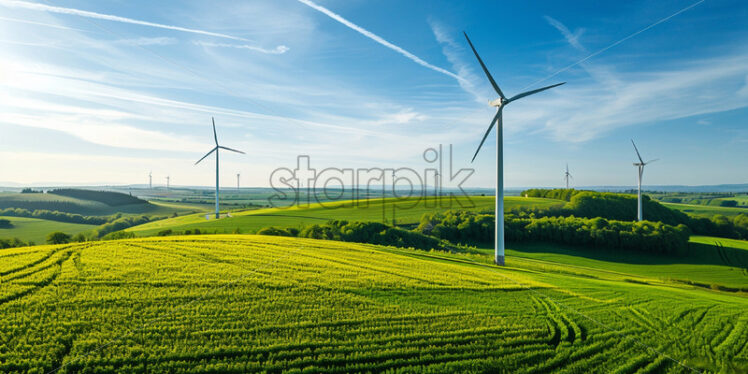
{"points": [[150, 180], [167, 182], [567, 175], [237, 180], [215, 149], [640, 165], [499, 103]]}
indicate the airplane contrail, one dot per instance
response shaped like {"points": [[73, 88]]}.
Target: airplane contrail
{"points": [[378, 39], [108, 17]]}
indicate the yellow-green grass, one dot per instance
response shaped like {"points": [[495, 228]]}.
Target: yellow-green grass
{"points": [[36, 230], [705, 210], [404, 211], [704, 265], [242, 303]]}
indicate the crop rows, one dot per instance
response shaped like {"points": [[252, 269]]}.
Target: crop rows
{"points": [[268, 304]]}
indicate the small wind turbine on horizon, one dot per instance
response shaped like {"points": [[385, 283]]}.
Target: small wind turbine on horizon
{"points": [[640, 165], [567, 175], [499, 103], [167, 182], [237, 180], [215, 149], [150, 180]]}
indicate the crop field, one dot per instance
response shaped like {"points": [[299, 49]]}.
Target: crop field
{"points": [[405, 211], [241, 303], [36, 230]]}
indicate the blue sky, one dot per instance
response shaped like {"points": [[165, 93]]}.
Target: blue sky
{"points": [[104, 92]]}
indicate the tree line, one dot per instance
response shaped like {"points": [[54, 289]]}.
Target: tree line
{"points": [[54, 215], [106, 197], [469, 227], [622, 207], [360, 232]]}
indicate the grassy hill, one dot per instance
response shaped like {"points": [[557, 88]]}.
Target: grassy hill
{"points": [[706, 210], [48, 201], [36, 230], [240, 303], [406, 211]]}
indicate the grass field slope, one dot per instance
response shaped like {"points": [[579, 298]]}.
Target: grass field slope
{"points": [[404, 211], [242, 303], [36, 230]]}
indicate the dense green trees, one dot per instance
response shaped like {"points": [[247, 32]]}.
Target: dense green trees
{"points": [[107, 197], [14, 242], [58, 237], [123, 223], [5, 224], [54, 215], [466, 227], [359, 232], [556, 193]]}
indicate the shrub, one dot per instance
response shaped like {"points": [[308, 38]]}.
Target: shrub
{"points": [[58, 237], [5, 224], [13, 242], [166, 232]]}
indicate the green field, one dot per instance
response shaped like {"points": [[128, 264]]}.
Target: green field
{"points": [[406, 211], [36, 230], [705, 263], [66, 204], [240, 303], [705, 210]]}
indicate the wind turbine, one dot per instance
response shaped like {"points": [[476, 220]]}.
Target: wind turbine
{"points": [[237, 180], [215, 149], [640, 165], [150, 180], [167, 182], [567, 175], [499, 103]]}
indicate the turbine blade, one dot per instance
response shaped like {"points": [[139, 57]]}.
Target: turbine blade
{"points": [[214, 131], [496, 118], [485, 69], [230, 149], [206, 155], [528, 93], [651, 161], [637, 151]]}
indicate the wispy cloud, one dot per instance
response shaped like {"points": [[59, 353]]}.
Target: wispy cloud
{"points": [[378, 39], [161, 40], [109, 17], [275, 51], [452, 50], [572, 38]]}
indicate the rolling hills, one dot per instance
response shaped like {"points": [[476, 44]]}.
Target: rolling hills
{"points": [[243, 303], [405, 211]]}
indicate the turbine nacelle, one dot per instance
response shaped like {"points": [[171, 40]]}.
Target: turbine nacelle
{"points": [[498, 102]]}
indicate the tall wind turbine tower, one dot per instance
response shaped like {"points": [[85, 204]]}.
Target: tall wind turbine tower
{"points": [[215, 149], [499, 103], [150, 180], [237, 180], [167, 182], [567, 175], [640, 166]]}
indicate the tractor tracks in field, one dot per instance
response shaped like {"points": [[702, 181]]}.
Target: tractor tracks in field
{"points": [[20, 278]]}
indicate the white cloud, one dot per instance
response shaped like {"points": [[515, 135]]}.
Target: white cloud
{"points": [[378, 39], [161, 40]]}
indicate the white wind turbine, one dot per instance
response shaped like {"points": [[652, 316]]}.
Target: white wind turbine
{"points": [[499, 103], [168, 178], [150, 180], [215, 149], [567, 175], [640, 165]]}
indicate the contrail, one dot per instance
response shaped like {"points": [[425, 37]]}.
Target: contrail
{"points": [[379, 40], [84, 13], [276, 51]]}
